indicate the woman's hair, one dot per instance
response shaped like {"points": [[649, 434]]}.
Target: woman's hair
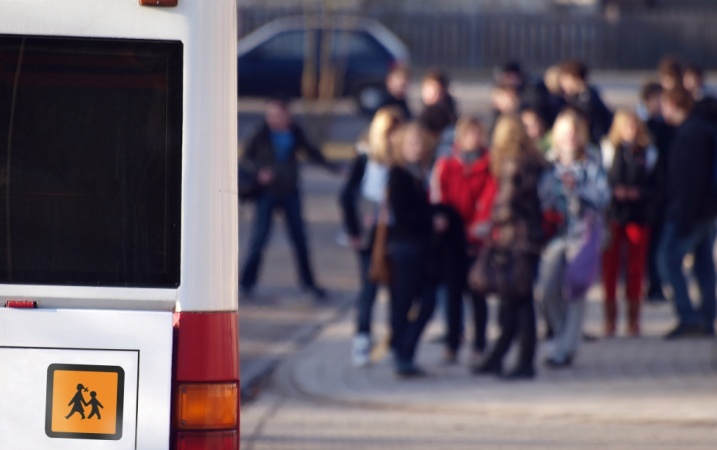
{"points": [[426, 139], [622, 117], [386, 120], [511, 141], [466, 123], [573, 117]]}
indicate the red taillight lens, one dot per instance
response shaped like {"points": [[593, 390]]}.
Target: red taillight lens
{"points": [[208, 441], [158, 2], [21, 304]]}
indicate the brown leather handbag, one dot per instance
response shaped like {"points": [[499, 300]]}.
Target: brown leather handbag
{"points": [[503, 271], [379, 270]]}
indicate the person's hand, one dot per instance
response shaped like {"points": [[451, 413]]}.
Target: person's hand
{"points": [[440, 223], [482, 230], [356, 242], [632, 193], [620, 193], [265, 176]]}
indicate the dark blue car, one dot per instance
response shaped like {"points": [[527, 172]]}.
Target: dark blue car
{"points": [[300, 57]]}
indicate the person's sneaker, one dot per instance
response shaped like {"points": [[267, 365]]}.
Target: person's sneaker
{"points": [[519, 373], [246, 294], [475, 359], [656, 298], [487, 368], [361, 351], [408, 370], [559, 363], [682, 331], [450, 357], [317, 292]]}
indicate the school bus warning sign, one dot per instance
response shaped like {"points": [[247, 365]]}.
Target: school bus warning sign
{"points": [[84, 402]]}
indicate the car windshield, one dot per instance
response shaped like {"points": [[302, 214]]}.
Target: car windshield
{"points": [[90, 161]]}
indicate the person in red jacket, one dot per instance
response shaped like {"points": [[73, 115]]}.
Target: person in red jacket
{"points": [[463, 181]]}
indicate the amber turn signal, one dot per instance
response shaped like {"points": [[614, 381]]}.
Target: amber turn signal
{"points": [[212, 406]]}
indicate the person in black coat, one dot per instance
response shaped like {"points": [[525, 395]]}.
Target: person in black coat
{"points": [[630, 163], [661, 134], [690, 213], [579, 94], [439, 107], [270, 160], [411, 233], [397, 90]]}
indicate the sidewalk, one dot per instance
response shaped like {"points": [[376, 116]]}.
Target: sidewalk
{"points": [[280, 319], [622, 393], [620, 379]]}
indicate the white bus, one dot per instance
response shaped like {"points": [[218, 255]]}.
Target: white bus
{"points": [[118, 225]]}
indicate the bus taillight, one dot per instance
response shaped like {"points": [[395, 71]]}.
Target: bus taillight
{"points": [[206, 381], [158, 2]]}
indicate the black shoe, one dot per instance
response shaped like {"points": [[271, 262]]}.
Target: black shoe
{"points": [[246, 294], [555, 363], [317, 292], [656, 298], [487, 368], [519, 373], [589, 338], [682, 331]]}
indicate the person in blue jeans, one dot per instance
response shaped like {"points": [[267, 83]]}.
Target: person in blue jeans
{"points": [[412, 226], [270, 158], [689, 217], [361, 201]]}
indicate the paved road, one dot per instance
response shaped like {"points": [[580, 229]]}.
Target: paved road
{"points": [[622, 393]]}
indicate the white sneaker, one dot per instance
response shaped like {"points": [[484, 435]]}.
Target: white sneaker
{"points": [[361, 352]]}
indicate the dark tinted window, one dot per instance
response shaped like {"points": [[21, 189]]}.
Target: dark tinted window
{"points": [[285, 45], [90, 161], [355, 44]]}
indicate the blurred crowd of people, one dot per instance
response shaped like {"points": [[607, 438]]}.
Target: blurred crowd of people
{"points": [[531, 205]]}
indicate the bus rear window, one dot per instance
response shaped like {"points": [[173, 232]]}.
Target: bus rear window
{"points": [[90, 161]]}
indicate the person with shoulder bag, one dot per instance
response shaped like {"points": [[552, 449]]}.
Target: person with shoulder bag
{"points": [[508, 262], [575, 188], [362, 200]]}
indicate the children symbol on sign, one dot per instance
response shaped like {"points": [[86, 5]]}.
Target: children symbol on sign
{"points": [[95, 403], [77, 402]]}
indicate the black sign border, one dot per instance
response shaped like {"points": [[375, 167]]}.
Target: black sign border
{"points": [[84, 368]]}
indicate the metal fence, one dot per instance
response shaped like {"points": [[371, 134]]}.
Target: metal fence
{"points": [[460, 41]]}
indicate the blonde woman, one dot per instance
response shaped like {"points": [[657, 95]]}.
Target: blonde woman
{"points": [[411, 232], [630, 162], [360, 200], [517, 228], [575, 189]]}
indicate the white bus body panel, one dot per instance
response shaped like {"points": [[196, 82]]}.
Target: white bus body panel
{"points": [[209, 254], [32, 340]]}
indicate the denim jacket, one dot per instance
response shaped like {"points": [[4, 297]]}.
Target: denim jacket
{"points": [[588, 198]]}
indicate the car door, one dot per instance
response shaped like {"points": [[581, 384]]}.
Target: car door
{"points": [[361, 64], [277, 65]]}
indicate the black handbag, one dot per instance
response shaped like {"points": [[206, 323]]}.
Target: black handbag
{"points": [[506, 272]]}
